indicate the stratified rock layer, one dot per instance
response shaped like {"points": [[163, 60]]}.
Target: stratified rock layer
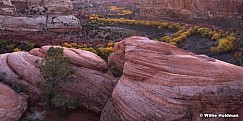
{"points": [[193, 8], [52, 6], [92, 84], [12, 104], [163, 83], [6, 7], [39, 23]]}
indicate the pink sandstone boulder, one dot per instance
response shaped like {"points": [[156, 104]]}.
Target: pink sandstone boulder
{"points": [[12, 104], [82, 58], [163, 83], [37, 52], [19, 72], [92, 83]]}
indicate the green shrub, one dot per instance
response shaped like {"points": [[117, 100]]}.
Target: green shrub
{"points": [[29, 46], [231, 38], [216, 36], [238, 55], [233, 35], [90, 49], [105, 52], [214, 50], [10, 46], [205, 32], [173, 43], [225, 45], [2, 43], [241, 32], [165, 39], [55, 69]]}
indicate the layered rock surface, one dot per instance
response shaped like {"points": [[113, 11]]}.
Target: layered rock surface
{"points": [[52, 6], [92, 84], [196, 8], [42, 20], [12, 104], [6, 7], [226, 13], [163, 83], [39, 23]]}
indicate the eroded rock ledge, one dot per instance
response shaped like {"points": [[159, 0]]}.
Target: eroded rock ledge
{"points": [[92, 83], [163, 83]]}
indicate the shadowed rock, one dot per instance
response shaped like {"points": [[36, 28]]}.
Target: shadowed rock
{"points": [[163, 83], [12, 104], [92, 83]]}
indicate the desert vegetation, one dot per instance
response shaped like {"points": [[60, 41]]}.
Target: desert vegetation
{"points": [[55, 70], [224, 40], [118, 11], [103, 50], [13, 46]]}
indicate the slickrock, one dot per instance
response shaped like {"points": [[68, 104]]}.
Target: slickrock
{"points": [[163, 83], [15, 67], [83, 58], [92, 87], [37, 52], [12, 104], [92, 83]]}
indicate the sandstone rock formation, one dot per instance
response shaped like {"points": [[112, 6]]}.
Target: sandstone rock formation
{"points": [[53, 6], [196, 8], [39, 23], [12, 104], [6, 7], [163, 83], [83, 58], [48, 21], [214, 10], [92, 83]]}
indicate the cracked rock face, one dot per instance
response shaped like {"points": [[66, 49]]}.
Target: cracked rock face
{"points": [[12, 104], [196, 8], [92, 83], [53, 6], [6, 7], [163, 83], [40, 22]]}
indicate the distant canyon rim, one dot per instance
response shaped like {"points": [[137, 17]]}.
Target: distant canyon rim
{"points": [[50, 19]]}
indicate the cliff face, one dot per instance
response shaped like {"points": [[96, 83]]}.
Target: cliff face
{"points": [[53, 6], [194, 9], [41, 20], [6, 7]]}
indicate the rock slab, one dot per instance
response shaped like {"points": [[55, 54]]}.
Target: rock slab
{"points": [[92, 83], [163, 83], [12, 104]]}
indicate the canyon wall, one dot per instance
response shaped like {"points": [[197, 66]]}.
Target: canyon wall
{"points": [[231, 10], [193, 8], [52, 6]]}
